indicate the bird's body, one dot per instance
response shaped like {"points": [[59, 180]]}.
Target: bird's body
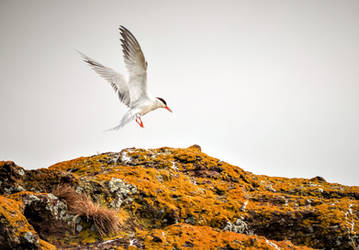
{"points": [[133, 93]]}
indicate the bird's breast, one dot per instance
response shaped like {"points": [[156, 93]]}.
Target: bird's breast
{"points": [[146, 107]]}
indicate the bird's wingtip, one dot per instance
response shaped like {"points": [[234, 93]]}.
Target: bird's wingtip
{"points": [[123, 29], [81, 54]]}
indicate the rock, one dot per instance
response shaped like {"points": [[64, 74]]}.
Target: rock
{"points": [[121, 192], [10, 177], [15, 230], [78, 228], [45, 212], [195, 147], [183, 236], [318, 178], [15, 179], [30, 237], [175, 198], [238, 227]]}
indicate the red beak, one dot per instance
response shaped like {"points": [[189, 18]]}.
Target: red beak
{"points": [[168, 109]]}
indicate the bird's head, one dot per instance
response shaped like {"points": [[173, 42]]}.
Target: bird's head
{"points": [[162, 104]]}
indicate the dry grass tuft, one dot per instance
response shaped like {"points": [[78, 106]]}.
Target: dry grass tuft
{"points": [[104, 219]]}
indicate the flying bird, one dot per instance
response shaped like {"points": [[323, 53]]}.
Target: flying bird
{"points": [[133, 93]]}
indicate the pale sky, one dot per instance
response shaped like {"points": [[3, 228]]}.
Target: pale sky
{"points": [[270, 86]]}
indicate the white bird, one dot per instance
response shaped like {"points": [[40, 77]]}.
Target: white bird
{"points": [[133, 93]]}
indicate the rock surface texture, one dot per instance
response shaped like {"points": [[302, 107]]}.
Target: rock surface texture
{"points": [[171, 198]]}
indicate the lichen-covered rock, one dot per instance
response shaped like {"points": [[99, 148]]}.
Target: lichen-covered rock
{"points": [[188, 186], [183, 198], [10, 177], [239, 226], [121, 192], [46, 213], [184, 236], [15, 231], [16, 179]]}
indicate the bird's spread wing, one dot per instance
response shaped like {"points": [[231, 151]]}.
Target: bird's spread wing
{"points": [[117, 81], [136, 65]]}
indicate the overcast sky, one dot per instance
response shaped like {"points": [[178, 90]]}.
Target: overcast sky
{"points": [[270, 86]]}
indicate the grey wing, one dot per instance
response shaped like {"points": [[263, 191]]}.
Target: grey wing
{"points": [[129, 116], [136, 65], [116, 80]]}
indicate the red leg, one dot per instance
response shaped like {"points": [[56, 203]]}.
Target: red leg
{"points": [[139, 121]]}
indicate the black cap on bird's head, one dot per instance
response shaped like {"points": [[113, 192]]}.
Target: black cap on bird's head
{"points": [[164, 103]]}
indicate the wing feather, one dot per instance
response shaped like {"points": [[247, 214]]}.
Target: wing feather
{"points": [[116, 80], [136, 65]]}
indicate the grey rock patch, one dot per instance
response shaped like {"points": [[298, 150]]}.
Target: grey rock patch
{"points": [[19, 188], [79, 228], [21, 172], [239, 226], [121, 191], [30, 237]]}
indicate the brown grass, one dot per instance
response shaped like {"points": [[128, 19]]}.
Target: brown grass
{"points": [[104, 219]]}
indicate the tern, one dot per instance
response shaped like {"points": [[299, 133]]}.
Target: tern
{"points": [[133, 93]]}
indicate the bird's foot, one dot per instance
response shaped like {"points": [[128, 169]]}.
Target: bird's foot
{"points": [[139, 121]]}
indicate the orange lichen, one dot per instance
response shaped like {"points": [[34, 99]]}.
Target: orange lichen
{"points": [[15, 224], [184, 236], [187, 186], [11, 210], [46, 245], [186, 192]]}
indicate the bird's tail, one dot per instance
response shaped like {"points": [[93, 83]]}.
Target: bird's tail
{"points": [[113, 129], [129, 116]]}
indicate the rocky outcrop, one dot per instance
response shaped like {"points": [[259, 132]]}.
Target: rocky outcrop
{"points": [[173, 199], [15, 230]]}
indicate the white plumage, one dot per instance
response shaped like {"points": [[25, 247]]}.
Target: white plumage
{"points": [[133, 93]]}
